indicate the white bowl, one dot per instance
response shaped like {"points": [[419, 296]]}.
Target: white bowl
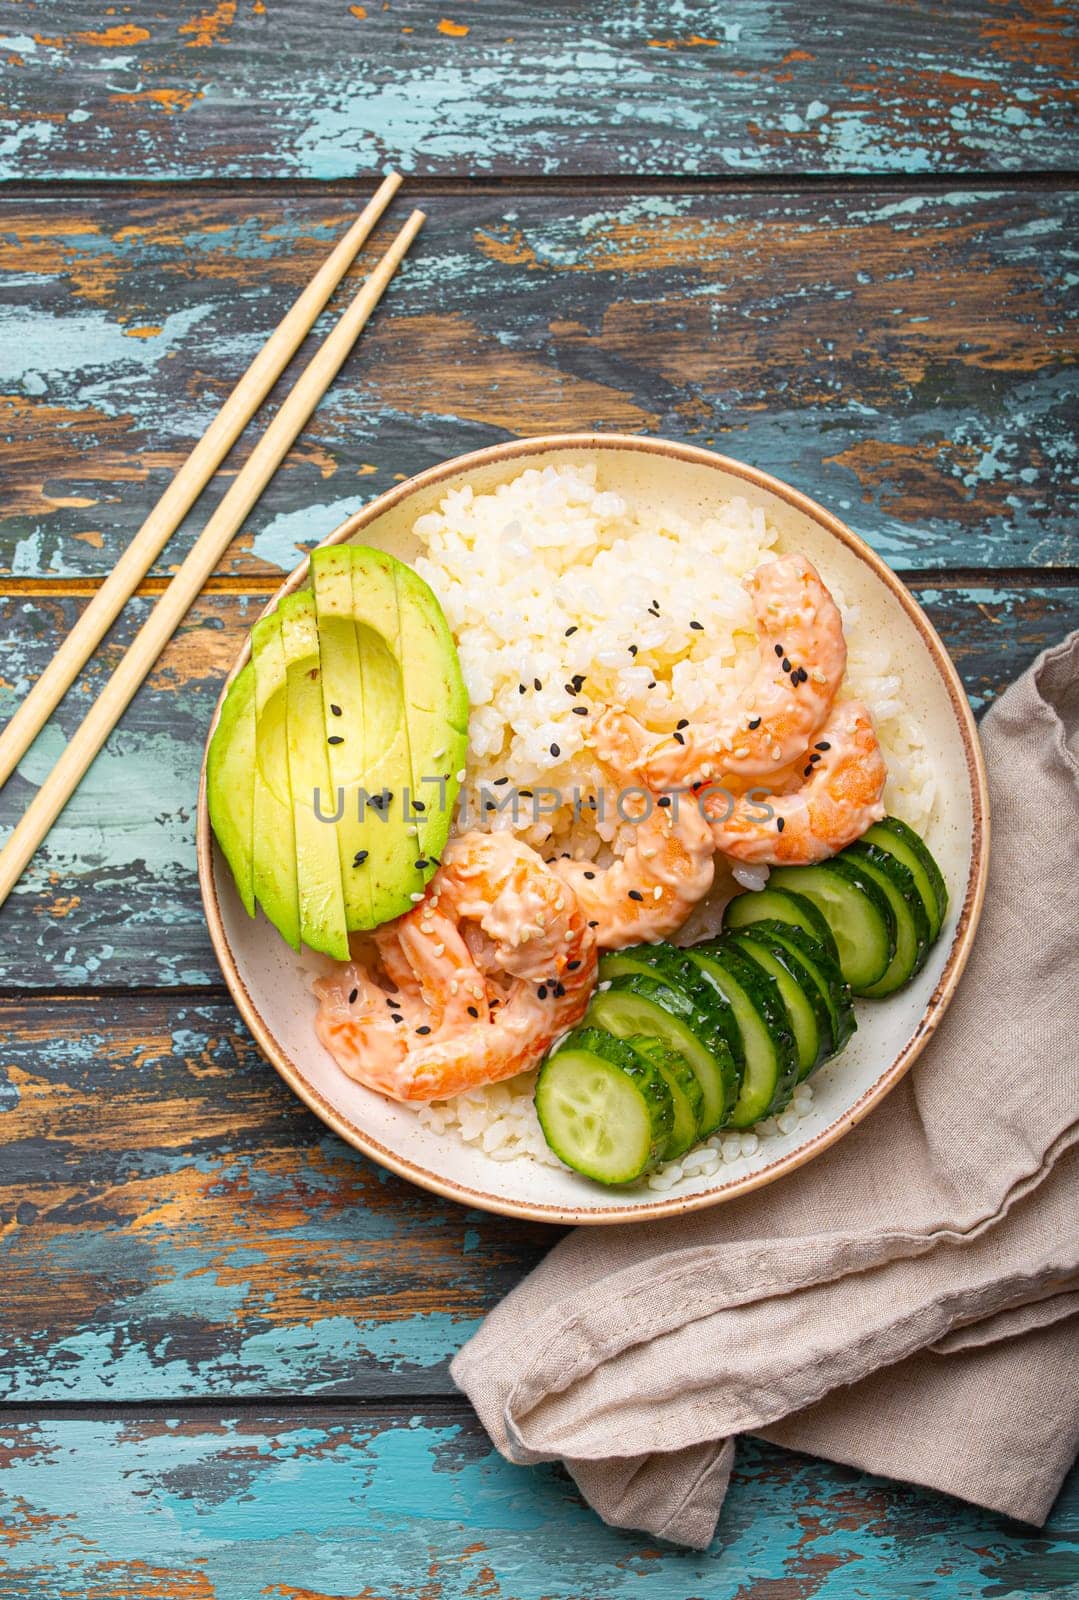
{"points": [[271, 985]]}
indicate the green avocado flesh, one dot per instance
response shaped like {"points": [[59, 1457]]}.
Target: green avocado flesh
{"points": [[318, 869], [354, 696], [230, 782], [273, 831]]}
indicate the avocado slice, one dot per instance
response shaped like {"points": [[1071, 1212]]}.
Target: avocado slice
{"points": [[230, 782], [273, 832], [436, 708], [342, 710], [395, 878], [318, 867]]}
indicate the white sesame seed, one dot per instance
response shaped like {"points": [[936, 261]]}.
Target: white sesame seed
{"points": [[440, 949], [657, 893], [416, 898], [461, 775]]}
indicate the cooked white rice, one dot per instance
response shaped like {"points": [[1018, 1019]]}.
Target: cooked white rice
{"points": [[549, 576]]}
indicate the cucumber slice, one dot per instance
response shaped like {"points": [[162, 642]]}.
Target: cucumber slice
{"points": [[831, 985], [604, 1109], [672, 966], [686, 1095], [637, 1004], [856, 909], [911, 922], [810, 1018], [779, 905], [902, 842], [771, 1056]]}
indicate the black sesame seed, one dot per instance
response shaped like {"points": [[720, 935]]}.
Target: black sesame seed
{"points": [[824, 745], [559, 990], [397, 1017], [489, 805], [422, 862], [472, 1011], [785, 664], [633, 649], [807, 772], [354, 995], [499, 782], [423, 1029], [580, 711], [681, 738], [542, 991], [336, 738], [571, 966], [556, 750], [652, 685], [521, 689], [577, 681], [697, 626], [360, 857], [536, 684], [683, 724], [635, 894], [593, 924], [571, 631], [779, 649], [336, 710], [590, 875], [664, 800], [419, 805], [780, 824], [755, 722], [525, 794], [570, 688]]}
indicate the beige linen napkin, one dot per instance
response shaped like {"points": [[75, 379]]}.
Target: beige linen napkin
{"points": [[905, 1303]]}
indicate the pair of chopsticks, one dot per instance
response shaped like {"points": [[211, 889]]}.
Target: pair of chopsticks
{"points": [[211, 544]]}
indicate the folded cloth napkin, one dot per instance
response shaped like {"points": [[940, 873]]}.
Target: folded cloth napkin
{"points": [[907, 1302]]}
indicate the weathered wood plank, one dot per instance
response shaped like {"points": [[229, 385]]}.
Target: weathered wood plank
{"points": [[903, 358], [316, 90], [112, 898], [328, 1506], [174, 1223]]}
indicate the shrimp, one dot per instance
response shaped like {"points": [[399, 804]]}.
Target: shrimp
{"points": [[839, 798], [649, 891], [471, 986], [803, 656]]}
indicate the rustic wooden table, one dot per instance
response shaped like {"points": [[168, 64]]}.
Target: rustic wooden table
{"points": [[836, 246]]}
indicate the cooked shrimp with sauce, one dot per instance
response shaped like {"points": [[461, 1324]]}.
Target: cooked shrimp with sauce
{"points": [[471, 986]]}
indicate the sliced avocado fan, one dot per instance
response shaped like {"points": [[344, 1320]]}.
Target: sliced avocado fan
{"points": [[332, 776]]}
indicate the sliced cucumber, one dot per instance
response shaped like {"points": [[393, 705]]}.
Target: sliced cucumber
{"points": [[637, 1003], [771, 1056], [686, 1095], [831, 985], [810, 1018], [671, 965], [902, 842], [856, 909], [911, 923], [604, 1109], [779, 905]]}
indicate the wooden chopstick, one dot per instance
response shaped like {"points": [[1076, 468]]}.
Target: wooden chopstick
{"points": [[208, 549], [190, 480]]}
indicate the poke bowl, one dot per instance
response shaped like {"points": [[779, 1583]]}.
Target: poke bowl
{"points": [[587, 581]]}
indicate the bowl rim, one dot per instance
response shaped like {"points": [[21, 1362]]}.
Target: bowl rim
{"points": [[962, 942]]}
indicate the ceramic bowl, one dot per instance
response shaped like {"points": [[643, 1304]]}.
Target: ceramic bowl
{"points": [[271, 985]]}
